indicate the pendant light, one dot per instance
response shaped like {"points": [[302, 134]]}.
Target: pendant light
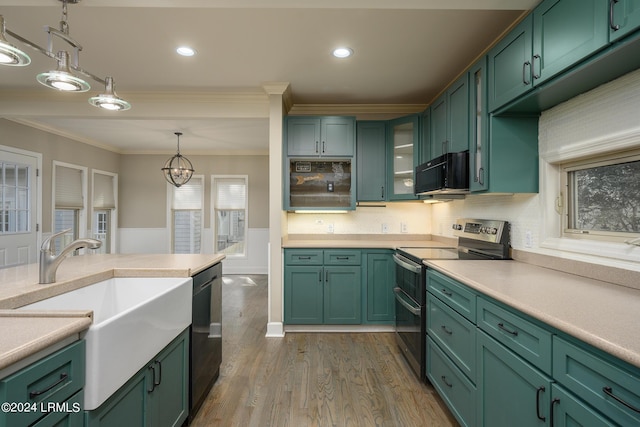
{"points": [[109, 100], [61, 78], [9, 54], [178, 170]]}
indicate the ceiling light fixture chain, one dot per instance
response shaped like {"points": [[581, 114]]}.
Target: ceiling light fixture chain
{"points": [[178, 170], [62, 78]]}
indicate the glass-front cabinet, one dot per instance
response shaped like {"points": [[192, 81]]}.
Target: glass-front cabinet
{"points": [[403, 156]]}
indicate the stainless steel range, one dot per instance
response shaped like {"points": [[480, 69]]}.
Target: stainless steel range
{"points": [[478, 239]]}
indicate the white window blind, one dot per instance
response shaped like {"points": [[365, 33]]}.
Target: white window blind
{"points": [[68, 188], [103, 191], [189, 195], [231, 193]]}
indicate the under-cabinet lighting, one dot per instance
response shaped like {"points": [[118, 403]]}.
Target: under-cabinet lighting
{"points": [[395, 147], [321, 212]]}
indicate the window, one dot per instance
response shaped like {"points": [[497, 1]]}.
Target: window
{"points": [[603, 197], [104, 208], [186, 215], [230, 214], [15, 190], [69, 196]]}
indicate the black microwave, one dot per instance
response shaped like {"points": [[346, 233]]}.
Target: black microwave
{"points": [[446, 174]]}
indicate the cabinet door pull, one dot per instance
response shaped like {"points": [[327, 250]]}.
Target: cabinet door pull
{"points": [[554, 402], [446, 331], [342, 257], [481, 176], [304, 257], [447, 383], [609, 392], [612, 24], [157, 362], [317, 142], [538, 393], [447, 293], [63, 376], [524, 72], [501, 326], [537, 58], [382, 192], [323, 146], [153, 380]]}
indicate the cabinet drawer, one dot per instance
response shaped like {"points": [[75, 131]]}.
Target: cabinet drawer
{"points": [[455, 335], [342, 257], [454, 294], [454, 388], [52, 379], [303, 257], [609, 388], [68, 414], [521, 336]]}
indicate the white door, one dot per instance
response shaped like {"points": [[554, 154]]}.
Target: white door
{"points": [[18, 208]]}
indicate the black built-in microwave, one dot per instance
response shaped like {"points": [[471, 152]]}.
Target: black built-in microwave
{"points": [[446, 174]]}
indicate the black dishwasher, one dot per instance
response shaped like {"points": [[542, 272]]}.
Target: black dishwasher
{"points": [[205, 350]]}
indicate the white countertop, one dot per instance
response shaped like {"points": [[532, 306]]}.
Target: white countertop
{"points": [[599, 313]]}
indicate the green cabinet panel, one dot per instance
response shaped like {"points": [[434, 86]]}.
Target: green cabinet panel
{"points": [[304, 257], [371, 161], [454, 334], [425, 136], [510, 71], [342, 257], [320, 136], [529, 341], [565, 32], [456, 390], [403, 156], [450, 119], [624, 18], [478, 126], [303, 295], [52, 379], [157, 395], [569, 411], [608, 386], [71, 416], [342, 295], [503, 379], [453, 293], [379, 279]]}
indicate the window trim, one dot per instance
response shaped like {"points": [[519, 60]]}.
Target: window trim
{"points": [[245, 254]]}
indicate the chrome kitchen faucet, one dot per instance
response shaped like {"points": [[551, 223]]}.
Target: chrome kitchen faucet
{"points": [[49, 262]]}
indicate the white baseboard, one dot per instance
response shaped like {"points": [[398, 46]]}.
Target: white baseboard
{"points": [[275, 330]]}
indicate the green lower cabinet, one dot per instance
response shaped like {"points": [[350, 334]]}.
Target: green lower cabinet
{"points": [[379, 278], [69, 414], [454, 387], [303, 295], [569, 411], [342, 295], [511, 391], [156, 396]]}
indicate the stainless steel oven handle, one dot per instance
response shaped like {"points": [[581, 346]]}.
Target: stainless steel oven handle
{"points": [[406, 264], [399, 297]]}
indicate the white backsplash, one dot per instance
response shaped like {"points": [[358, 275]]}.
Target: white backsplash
{"points": [[365, 220]]}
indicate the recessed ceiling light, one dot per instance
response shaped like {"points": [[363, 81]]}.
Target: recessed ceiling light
{"points": [[342, 52], [185, 51]]}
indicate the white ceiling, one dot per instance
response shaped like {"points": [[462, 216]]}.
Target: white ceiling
{"points": [[406, 51]]}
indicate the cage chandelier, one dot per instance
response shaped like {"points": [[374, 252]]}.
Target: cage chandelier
{"points": [[178, 170], [62, 78]]}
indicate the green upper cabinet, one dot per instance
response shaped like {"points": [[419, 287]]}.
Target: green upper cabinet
{"points": [[450, 119], [403, 156], [564, 32], [510, 65], [624, 17], [320, 136], [478, 126], [425, 136], [371, 161], [557, 35]]}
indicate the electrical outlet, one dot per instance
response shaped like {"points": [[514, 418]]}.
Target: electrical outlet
{"points": [[319, 222], [329, 228], [403, 227], [385, 227], [528, 239]]}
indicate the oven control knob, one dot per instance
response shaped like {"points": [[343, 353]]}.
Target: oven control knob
{"points": [[457, 227], [493, 230]]}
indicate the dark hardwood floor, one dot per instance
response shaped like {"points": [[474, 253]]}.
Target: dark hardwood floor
{"points": [[309, 379]]}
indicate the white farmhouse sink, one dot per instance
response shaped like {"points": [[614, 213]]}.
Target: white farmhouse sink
{"points": [[133, 319]]}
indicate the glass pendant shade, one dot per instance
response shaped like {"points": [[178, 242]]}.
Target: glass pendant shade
{"points": [[178, 170], [62, 79], [109, 100], [9, 54]]}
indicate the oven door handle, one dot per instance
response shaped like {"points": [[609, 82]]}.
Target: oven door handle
{"points": [[406, 264], [406, 304]]}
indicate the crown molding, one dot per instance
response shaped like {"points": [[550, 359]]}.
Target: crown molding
{"points": [[361, 111]]}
